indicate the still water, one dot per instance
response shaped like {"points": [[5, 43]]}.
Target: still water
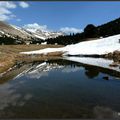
{"points": [[60, 89]]}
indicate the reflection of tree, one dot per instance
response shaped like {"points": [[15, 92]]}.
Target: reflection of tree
{"points": [[90, 72]]}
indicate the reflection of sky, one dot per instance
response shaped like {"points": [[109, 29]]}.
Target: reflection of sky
{"points": [[9, 96], [58, 88], [9, 93]]}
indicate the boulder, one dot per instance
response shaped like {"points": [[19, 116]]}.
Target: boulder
{"points": [[114, 64]]}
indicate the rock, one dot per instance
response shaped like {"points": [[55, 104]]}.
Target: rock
{"points": [[116, 52], [106, 78], [110, 55], [114, 64], [115, 56]]}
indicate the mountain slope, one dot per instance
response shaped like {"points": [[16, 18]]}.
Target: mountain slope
{"points": [[13, 31], [22, 34], [43, 34]]}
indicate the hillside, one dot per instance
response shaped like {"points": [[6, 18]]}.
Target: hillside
{"points": [[13, 31], [11, 34]]}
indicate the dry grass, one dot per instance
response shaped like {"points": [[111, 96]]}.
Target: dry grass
{"points": [[9, 54], [23, 48]]}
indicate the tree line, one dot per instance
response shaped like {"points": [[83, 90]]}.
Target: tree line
{"points": [[90, 31]]}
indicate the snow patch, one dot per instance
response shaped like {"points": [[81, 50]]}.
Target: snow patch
{"points": [[93, 47]]}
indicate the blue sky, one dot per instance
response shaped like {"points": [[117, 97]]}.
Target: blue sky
{"points": [[57, 15]]}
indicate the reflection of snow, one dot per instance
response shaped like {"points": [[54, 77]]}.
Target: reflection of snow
{"points": [[68, 69], [100, 62], [39, 70]]}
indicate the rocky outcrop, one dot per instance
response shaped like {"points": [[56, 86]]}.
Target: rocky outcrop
{"points": [[115, 56]]}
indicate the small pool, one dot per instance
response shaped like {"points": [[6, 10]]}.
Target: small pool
{"points": [[61, 89]]}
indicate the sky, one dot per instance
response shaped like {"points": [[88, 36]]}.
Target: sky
{"points": [[59, 16]]}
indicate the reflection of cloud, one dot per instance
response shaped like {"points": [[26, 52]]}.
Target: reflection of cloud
{"points": [[25, 98], [104, 112], [68, 70], [36, 74], [9, 97]]}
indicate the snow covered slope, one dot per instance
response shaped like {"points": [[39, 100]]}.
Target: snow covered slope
{"points": [[93, 47], [43, 34]]}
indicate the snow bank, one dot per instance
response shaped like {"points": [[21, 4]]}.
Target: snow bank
{"points": [[44, 51], [93, 47]]}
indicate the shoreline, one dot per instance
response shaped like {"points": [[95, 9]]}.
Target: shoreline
{"points": [[10, 55], [12, 59]]}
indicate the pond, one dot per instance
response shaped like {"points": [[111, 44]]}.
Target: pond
{"points": [[60, 89]]}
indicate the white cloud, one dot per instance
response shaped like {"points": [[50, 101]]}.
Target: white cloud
{"points": [[33, 27], [18, 20], [23, 4], [5, 13], [69, 30], [4, 17], [7, 4], [5, 9]]}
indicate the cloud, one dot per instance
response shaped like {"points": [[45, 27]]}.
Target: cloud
{"points": [[23, 4], [35, 26], [5, 9], [7, 4], [5, 13], [69, 30], [18, 20]]}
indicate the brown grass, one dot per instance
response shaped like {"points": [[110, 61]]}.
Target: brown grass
{"points": [[9, 54]]}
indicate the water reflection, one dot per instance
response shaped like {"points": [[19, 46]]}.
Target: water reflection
{"points": [[104, 112], [91, 73], [10, 97], [61, 89]]}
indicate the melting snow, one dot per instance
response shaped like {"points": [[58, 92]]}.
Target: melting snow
{"points": [[93, 47]]}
